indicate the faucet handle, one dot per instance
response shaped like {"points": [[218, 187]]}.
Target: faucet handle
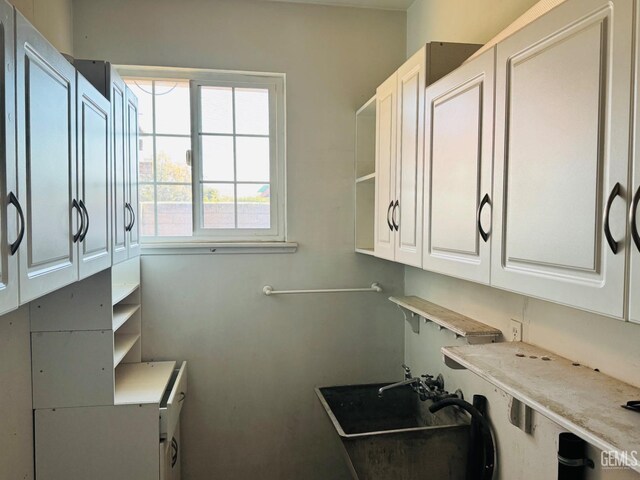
{"points": [[407, 371]]}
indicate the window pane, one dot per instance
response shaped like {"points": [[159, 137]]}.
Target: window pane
{"points": [[172, 107], [252, 155], [218, 205], [252, 111], [254, 206], [174, 210], [217, 158], [171, 159], [145, 167], [217, 110], [146, 213], [143, 90]]}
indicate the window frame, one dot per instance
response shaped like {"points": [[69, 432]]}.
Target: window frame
{"points": [[276, 83]]}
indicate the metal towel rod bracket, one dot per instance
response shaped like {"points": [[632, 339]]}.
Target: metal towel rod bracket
{"points": [[375, 287]]}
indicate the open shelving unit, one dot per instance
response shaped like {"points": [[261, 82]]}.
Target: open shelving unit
{"points": [[122, 291], [126, 316], [584, 401], [122, 313], [365, 177]]}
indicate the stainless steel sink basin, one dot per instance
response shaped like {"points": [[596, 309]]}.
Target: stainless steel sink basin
{"points": [[396, 437]]}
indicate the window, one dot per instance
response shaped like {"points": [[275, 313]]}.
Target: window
{"points": [[211, 155]]}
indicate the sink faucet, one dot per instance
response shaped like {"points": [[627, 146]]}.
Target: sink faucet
{"points": [[408, 381], [425, 386]]}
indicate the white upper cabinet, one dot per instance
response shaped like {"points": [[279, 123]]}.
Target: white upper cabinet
{"points": [[407, 210], [634, 220], [120, 167], [131, 144], [399, 159], [384, 226], [634, 212], [46, 113], [458, 169], [94, 177], [9, 234], [561, 156]]}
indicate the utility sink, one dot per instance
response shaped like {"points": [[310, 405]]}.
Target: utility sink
{"points": [[395, 437]]}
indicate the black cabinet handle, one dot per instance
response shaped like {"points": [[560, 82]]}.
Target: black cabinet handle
{"points": [[607, 230], [129, 227], [388, 211], [393, 216], [174, 453], [126, 225], [86, 214], [133, 218], [485, 200], [13, 200], [634, 222], [76, 205]]}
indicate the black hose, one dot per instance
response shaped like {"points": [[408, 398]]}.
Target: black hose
{"points": [[487, 437]]}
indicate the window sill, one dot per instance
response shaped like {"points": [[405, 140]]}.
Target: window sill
{"points": [[217, 248]]}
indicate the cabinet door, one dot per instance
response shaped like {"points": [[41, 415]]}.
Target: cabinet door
{"points": [[94, 179], [459, 159], [45, 99], [131, 139], [120, 168], [634, 215], [634, 284], [8, 226], [562, 141], [384, 237], [410, 160]]}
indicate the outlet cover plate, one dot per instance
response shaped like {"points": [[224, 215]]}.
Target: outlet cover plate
{"points": [[516, 331]]}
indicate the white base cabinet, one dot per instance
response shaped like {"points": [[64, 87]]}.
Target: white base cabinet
{"points": [[561, 160], [100, 412], [97, 443]]}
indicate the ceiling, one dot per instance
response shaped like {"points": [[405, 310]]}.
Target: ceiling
{"points": [[384, 4]]}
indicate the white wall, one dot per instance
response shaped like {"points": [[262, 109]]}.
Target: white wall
{"points": [[53, 18], [464, 21], [254, 360]]}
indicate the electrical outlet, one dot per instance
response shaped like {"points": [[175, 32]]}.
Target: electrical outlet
{"points": [[516, 331]]}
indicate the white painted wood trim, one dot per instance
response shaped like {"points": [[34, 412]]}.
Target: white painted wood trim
{"points": [[217, 248]]}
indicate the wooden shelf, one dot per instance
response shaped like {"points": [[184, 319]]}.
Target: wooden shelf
{"points": [[459, 324], [365, 251], [122, 313], [585, 402], [122, 343], [367, 178], [120, 292], [142, 382]]}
